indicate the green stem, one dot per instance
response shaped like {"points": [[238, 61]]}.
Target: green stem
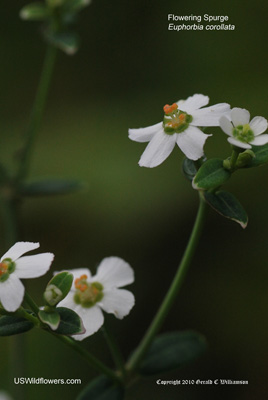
{"points": [[8, 210], [93, 361], [31, 303], [173, 290], [9, 207], [37, 111], [24, 314], [234, 156], [21, 312], [115, 351]]}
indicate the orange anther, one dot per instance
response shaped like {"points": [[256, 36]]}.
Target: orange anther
{"points": [[80, 283], [3, 268], [168, 109], [82, 287], [182, 117]]}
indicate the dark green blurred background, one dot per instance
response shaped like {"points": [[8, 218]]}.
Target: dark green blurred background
{"points": [[128, 67]]}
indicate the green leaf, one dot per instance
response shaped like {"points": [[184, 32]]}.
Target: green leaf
{"points": [[172, 350], [50, 187], [58, 288], [51, 318], [211, 175], [228, 206], [70, 322], [76, 5], [102, 388], [65, 41], [34, 12], [189, 169], [10, 325], [55, 3], [261, 156]]}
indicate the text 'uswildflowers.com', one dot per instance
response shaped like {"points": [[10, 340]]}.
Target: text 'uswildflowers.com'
{"points": [[46, 381]]}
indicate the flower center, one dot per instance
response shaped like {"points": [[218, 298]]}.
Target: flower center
{"points": [[7, 266], [243, 133], [175, 120], [87, 294], [52, 295]]}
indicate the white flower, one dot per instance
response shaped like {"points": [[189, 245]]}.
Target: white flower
{"points": [[13, 267], [90, 295], [179, 126], [243, 133]]}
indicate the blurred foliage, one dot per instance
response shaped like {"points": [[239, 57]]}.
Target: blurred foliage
{"points": [[128, 67]]}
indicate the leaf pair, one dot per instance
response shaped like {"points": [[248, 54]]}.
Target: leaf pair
{"points": [[58, 15]]}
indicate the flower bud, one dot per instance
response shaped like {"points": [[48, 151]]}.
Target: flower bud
{"points": [[53, 295], [58, 288], [244, 158]]}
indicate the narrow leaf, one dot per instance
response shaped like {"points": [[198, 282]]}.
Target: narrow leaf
{"points": [[34, 12], [65, 41], [172, 350], [228, 206], [70, 322], [74, 6], [10, 325], [50, 187], [102, 388], [211, 174]]}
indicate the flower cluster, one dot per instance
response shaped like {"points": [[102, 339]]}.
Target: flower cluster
{"points": [[88, 296], [181, 125]]}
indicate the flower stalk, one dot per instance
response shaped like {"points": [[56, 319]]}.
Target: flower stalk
{"points": [[91, 360], [37, 111], [115, 350], [173, 291]]}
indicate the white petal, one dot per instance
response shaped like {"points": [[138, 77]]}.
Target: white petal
{"points": [[240, 116], [226, 125], [237, 143], [92, 319], [77, 273], [11, 293], [191, 142], [18, 249], [144, 134], [193, 103], [114, 272], [33, 266], [209, 116], [157, 150], [118, 302], [260, 140], [68, 301], [258, 125]]}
